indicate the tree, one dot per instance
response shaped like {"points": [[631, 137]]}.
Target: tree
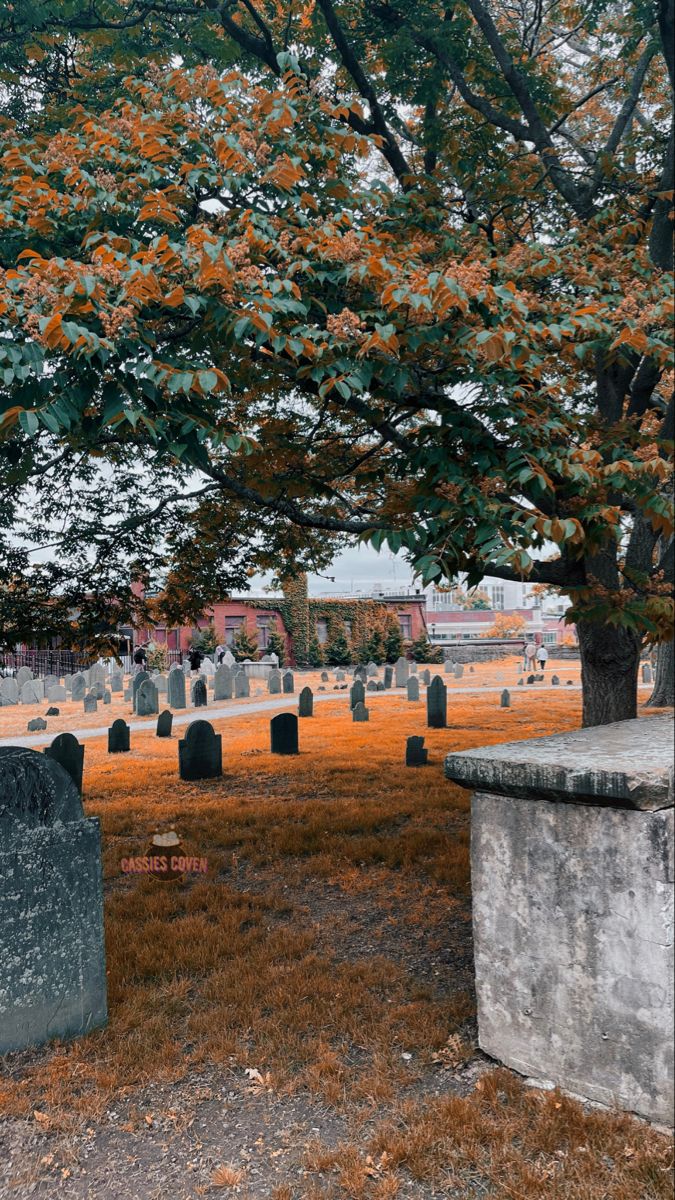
{"points": [[315, 655], [421, 650], [507, 626], [463, 354], [276, 643], [475, 600], [339, 652], [393, 641], [376, 650], [205, 640], [245, 645]]}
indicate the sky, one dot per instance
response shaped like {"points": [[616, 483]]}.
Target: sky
{"points": [[360, 569]]}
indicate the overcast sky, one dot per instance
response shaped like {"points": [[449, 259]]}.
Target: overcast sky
{"points": [[360, 569]]}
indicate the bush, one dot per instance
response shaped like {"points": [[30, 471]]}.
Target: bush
{"points": [[245, 646], [393, 641], [422, 650], [276, 643], [315, 657], [375, 648], [339, 650], [205, 640]]}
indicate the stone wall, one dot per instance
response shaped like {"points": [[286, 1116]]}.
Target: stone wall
{"points": [[572, 878]]}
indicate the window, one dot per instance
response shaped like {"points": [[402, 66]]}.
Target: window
{"points": [[263, 627], [405, 625], [497, 594], [322, 632], [232, 626], [551, 638]]}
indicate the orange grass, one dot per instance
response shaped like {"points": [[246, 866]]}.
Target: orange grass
{"points": [[261, 963]]}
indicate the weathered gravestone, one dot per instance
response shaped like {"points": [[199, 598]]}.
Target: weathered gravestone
{"points": [[69, 754], [415, 753], [448, 666], [360, 712], [324, 676], [357, 693], [147, 699], [52, 982], [284, 734], [426, 677], [555, 680], [288, 683], [242, 686], [379, 686], [200, 752], [361, 672], [505, 699], [413, 688], [31, 692], [199, 696], [9, 690], [136, 683], [371, 685], [437, 704], [78, 686], [306, 703], [176, 689], [90, 704], [371, 670], [164, 724], [646, 673], [36, 724], [116, 682], [222, 683], [53, 712], [23, 675], [161, 683], [119, 737], [97, 690], [571, 878], [50, 681], [388, 677], [56, 692], [402, 671], [459, 670], [274, 682], [340, 676]]}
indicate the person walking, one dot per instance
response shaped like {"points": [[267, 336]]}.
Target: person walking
{"points": [[195, 658], [220, 654], [140, 659], [530, 655], [542, 657]]}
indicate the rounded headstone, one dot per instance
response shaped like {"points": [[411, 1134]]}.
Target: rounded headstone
{"points": [[36, 791]]}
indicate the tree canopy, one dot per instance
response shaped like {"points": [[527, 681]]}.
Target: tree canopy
{"points": [[389, 272]]}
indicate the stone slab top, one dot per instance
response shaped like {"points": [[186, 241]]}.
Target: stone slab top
{"points": [[625, 765]]}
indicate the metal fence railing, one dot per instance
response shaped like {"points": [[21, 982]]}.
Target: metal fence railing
{"points": [[44, 662]]}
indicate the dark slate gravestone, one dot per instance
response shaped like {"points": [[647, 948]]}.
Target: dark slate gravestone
{"points": [[339, 675], [36, 724], [274, 682], [471, 670], [357, 693], [426, 676], [361, 672], [78, 688], [530, 679], [53, 712], [437, 704], [96, 690], [69, 754], [371, 686], [413, 686], [388, 676], [107, 697], [90, 704], [57, 692], [136, 682], [222, 683], [164, 723], [242, 687], [371, 669], [324, 676], [119, 737], [147, 699], [379, 686], [505, 699], [288, 683], [116, 682], [200, 752], [555, 680], [360, 712], [176, 689], [284, 734], [199, 696], [415, 753], [646, 673], [306, 703], [52, 982], [402, 670], [520, 683]]}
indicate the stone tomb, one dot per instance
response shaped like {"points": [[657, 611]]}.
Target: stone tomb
{"points": [[119, 737], [53, 981], [284, 734], [23, 675], [69, 754], [571, 865], [200, 752]]}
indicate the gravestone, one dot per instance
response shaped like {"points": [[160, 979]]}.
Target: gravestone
{"points": [[306, 703], [222, 683], [30, 693], [136, 682], [96, 690], [379, 686], [242, 687], [147, 699], [67, 682], [176, 689], [340, 676], [78, 686], [530, 679], [161, 683], [324, 676], [107, 697], [164, 724], [288, 683], [646, 673], [284, 734], [37, 724], [426, 677], [69, 754], [9, 690], [357, 693], [56, 692], [90, 704], [53, 712], [448, 666], [413, 688], [402, 670], [23, 675], [388, 677], [505, 699], [50, 681], [437, 704], [53, 981], [229, 659], [520, 683], [415, 753], [361, 672], [554, 680], [274, 682], [472, 670], [371, 686], [199, 696], [97, 674], [360, 712], [200, 752], [119, 737], [208, 668], [371, 670], [116, 682], [459, 670]]}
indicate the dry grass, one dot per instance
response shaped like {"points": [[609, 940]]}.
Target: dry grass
{"points": [[292, 957]]}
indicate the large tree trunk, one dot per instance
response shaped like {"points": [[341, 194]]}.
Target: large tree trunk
{"points": [[610, 658], [663, 695]]}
